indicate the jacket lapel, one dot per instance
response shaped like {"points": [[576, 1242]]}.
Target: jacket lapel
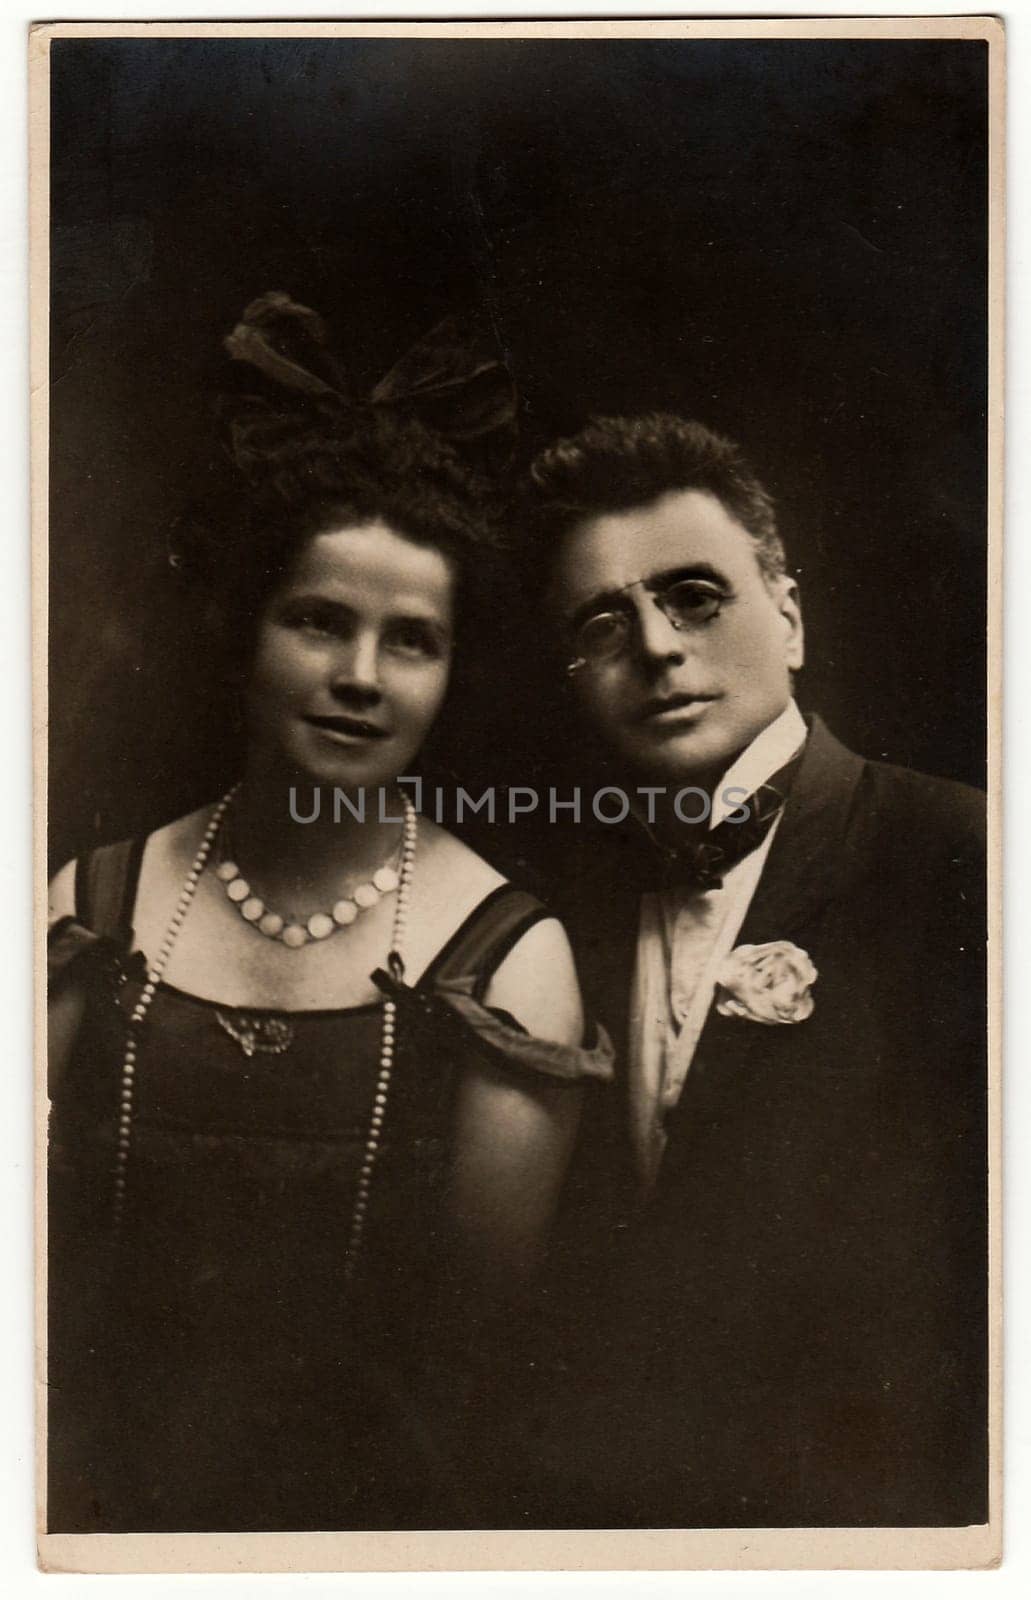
{"points": [[809, 863], [809, 858]]}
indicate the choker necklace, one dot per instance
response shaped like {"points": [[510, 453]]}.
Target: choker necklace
{"points": [[395, 964], [292, 931]]}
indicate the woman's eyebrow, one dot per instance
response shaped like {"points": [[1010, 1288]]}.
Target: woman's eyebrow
{"points": [[413, 608], [606, 599], [409, 608], [314, 597]]}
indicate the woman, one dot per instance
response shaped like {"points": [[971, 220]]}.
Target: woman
{"points": [[322, 1076]]}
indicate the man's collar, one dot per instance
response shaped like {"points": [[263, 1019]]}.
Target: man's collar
{"points": [[699, 858], [770, 750]]}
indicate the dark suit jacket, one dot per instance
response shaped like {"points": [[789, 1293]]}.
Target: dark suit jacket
{"points": [[793, 1330]]}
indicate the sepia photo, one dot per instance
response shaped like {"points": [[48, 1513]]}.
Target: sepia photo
{"points": [[516, 522]]}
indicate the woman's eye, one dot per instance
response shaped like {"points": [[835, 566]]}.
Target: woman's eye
{"points": [[316, 619], [415, 638]]}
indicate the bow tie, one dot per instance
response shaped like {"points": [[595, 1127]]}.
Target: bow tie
{"points": [[701, 863]]}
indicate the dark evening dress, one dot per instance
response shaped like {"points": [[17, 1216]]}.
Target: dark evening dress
{"points": [[208, 1366]]}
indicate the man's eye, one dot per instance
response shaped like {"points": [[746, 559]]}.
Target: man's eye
{"points": [[693, 600], [605, 631]]}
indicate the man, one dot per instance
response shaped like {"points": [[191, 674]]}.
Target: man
{"points": [[786, 942]]}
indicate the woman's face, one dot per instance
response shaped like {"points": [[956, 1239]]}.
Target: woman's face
{"points": [[352, 658]]}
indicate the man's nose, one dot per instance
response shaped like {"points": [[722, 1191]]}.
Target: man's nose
{"points": [[658, 640], [356, 669]]}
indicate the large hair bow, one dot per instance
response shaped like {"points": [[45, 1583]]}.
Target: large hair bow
{"points": [[452, 380]]}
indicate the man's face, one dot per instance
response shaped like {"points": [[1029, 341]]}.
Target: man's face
{"points": [[679, 702]]}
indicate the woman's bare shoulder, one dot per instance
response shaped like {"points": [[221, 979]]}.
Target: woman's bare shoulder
{"points": [[448, 883], [169, 846], [180, 838], [537, 980], [451, 864], [537, 983], [61, 894]]}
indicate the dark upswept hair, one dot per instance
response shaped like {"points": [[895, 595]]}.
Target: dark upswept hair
{"points": [[302, 455], [619, 463], [311, 475]]}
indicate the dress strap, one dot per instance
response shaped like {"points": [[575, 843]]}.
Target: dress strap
{"points": [[447, 1003], [477, 948], [105, 887]]}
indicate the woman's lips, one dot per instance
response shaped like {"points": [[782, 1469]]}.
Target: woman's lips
{"points": [[348, 730]]}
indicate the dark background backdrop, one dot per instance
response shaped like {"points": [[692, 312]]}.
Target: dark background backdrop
{"points": [[785, 239]]}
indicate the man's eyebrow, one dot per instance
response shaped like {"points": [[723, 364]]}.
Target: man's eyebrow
{"points": [[611, 599]]}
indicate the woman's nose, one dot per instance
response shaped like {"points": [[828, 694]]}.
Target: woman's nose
{"points": [[356, 668]]}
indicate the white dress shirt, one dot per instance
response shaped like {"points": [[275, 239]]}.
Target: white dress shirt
{"points": [[684, 936]]}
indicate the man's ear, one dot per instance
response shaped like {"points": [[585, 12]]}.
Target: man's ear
{"points": [[789, 604]]}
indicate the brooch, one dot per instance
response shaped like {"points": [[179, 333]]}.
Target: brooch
{"points": [[265, 1036]]}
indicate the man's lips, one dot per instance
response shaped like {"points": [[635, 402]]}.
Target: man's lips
{"points": [[670, 707], [673, 707], [347, 727]]}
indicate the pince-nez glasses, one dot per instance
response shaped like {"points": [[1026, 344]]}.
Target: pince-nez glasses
{"points": [[686, 603]]}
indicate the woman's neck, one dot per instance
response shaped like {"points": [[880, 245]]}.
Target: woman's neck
{"points": [[303, 845]]}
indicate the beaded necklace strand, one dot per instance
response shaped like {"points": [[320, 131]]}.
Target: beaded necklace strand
{"points": [[296, 932], [388, 1034]]}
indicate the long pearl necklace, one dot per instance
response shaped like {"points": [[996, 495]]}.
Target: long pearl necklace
{"points": [[387, 1040], [388, 1035]]}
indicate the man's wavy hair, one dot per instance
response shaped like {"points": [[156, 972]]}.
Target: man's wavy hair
{"points": [[620, 463]]}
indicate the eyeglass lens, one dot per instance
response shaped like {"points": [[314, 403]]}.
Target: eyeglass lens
{"points": [[688, 603]]}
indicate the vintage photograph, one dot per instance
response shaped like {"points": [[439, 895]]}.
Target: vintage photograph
{"points": [[515, 518]]}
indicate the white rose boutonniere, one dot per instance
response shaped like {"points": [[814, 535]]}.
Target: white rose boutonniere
{"points": [[769, 983]]}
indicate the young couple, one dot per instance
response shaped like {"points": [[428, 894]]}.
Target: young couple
{"points": [[317, 1091]]}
